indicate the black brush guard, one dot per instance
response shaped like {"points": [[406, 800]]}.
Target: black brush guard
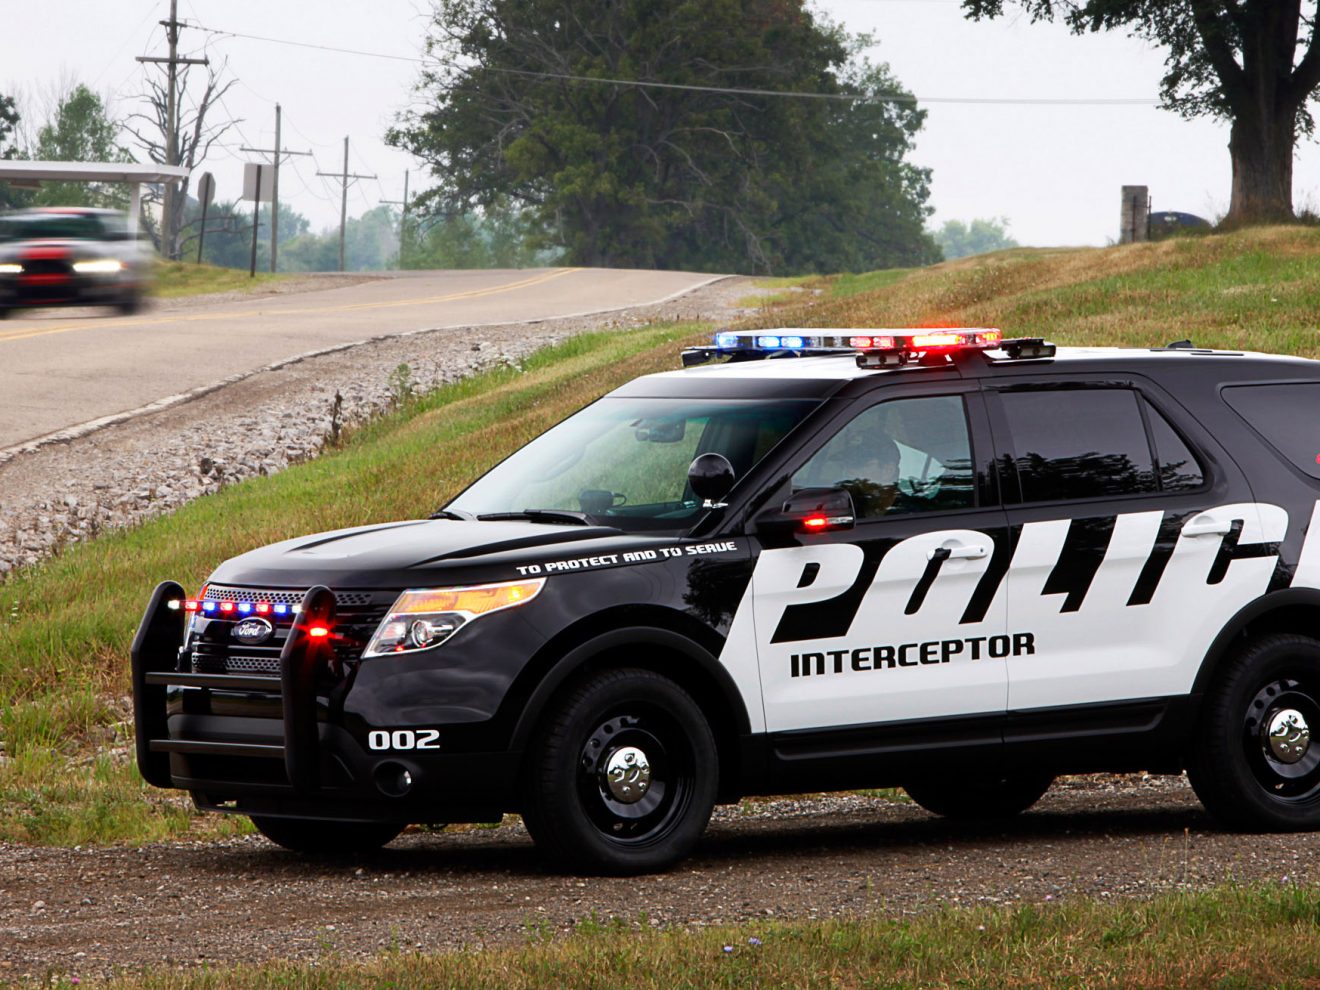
{"points": [[155, 669]]}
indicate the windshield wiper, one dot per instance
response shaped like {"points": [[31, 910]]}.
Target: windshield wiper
{"points": [[536, 515], [451, 514]]}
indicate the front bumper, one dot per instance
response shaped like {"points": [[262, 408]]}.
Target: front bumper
{"points": [[266, 745], [20, 291]]}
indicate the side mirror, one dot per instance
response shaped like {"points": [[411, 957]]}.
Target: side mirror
{"points": [[811, 510], [710, 476]]}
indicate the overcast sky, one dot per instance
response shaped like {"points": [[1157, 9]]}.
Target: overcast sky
{"points": [[1053, 171]]}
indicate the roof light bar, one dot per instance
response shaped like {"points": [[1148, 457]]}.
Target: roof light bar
{"points": [[873, 348]]}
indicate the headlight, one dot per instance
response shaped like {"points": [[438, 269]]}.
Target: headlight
{"points": [[101, 266], [425, 618], [11, 269]]}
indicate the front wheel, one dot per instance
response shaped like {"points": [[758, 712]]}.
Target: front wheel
{"points": [[625, 776], [1253, 763], [985, 796], [315, 837]]}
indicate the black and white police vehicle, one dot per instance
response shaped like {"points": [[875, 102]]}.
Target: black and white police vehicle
{"points": [[936, 559]]}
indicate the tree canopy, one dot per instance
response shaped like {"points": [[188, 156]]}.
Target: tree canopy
{"points": [[80, 129], [960, 240], [9, 118], [1255, 63], [694, 177]]}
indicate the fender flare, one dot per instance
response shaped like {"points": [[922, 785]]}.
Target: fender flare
{"points": [[625, 638], [1220, 649]]}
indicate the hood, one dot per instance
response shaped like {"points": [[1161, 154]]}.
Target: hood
{"points": [[417, 553]]}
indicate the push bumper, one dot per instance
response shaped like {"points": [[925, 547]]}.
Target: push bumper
{"points": [[302, 764]]}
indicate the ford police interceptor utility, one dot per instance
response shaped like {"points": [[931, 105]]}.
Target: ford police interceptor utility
{"points": [[935, 559]]}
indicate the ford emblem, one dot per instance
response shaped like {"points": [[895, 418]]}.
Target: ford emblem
{"points": [[253, 631]]}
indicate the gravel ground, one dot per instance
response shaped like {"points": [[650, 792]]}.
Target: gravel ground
{"points": [[85, 912], [126, 472]]}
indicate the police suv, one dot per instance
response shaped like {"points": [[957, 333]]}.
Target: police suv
{"points": [[812, 560]]}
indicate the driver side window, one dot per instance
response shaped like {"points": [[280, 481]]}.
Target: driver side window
{"points": [[906, 455]]}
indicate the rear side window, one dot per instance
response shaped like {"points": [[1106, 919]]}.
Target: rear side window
{"points": [[1288, 416], [1079, 444]]}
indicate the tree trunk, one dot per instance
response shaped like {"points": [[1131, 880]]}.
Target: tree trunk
{"points": [[1262, 150]]}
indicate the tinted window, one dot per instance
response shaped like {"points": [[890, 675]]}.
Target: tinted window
{"points": [[1178, 467], [1288, 416], [1079, 443], [909, 455]]}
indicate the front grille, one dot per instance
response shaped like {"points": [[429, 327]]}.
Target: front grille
{"points": [[47, 266], [223, 592], [213, 650]]}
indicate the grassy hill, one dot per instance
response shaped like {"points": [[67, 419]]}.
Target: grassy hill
{"points": [[66, 625], [1256, 289]]}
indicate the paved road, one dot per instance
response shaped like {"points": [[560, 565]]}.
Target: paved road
{"points": [[62, 369]]}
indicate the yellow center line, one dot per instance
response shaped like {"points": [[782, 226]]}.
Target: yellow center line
{"points": [[24, 334]]}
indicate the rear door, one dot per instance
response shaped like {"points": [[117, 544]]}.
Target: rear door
{"points": [[1132, 542], [897, 618]]}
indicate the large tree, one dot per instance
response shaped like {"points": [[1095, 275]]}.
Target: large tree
{"points": [[1255, 63], [80, 129], [680, 172]]}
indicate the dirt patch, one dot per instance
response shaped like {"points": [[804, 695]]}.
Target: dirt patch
{"points": [[87, 911]]}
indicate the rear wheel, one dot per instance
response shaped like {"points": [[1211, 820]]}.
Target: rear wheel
{"points": [[981, 796], [130, 304], [625, 777], [1253, 764], [326, 838]]}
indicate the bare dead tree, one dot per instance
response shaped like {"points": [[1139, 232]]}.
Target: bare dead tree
{"points": [[194, 137]]}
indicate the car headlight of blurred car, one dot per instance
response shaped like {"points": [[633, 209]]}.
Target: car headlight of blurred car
{"points": [[8, 269], [99, 266]]}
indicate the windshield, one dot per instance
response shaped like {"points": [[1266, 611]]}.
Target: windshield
{"points": [[623, 462], [61, 226]]}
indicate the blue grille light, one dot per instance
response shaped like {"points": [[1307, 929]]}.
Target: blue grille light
{"points": [[208, 606], [245, 607], [281, 610]]}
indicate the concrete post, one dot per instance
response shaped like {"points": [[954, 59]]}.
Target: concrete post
{"points": [[1134, 219]]}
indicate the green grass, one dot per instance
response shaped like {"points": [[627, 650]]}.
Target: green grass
{"points": [[1229, 938], [66, 625], [182, 278]]}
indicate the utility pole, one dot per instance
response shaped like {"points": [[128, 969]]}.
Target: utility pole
{"points": [[344, 178], [277, 153], [171, 122], [403, 223]]}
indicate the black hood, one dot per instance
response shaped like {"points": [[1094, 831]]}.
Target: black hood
{"points": [[416, 553]]}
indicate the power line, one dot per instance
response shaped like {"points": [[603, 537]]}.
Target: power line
{"points": [[895, 98]]}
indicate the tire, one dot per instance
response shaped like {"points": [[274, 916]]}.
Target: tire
{"points": [[129, 304], [636, 823], [1246, 779], [314, 837], [980, 797], [5, 311]]}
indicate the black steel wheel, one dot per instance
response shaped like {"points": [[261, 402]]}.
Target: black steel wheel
{"points": [[314, 837], [980, 795], [1253, 763], [624, 777]]}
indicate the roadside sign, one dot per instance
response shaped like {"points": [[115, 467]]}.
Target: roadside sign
{"points": [[206, 189], [254, 174]]}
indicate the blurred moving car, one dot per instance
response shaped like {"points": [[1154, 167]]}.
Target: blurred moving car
{"points": [[71, 257]]}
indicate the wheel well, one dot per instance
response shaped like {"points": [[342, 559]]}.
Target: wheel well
{"points": [[1294, 611], [686, 663]]}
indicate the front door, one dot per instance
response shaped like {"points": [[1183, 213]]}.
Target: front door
{"points": [[897, 618]]}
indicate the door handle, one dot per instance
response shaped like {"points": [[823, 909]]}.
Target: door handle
{"points": [[957, 553], [1211, 527]]}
